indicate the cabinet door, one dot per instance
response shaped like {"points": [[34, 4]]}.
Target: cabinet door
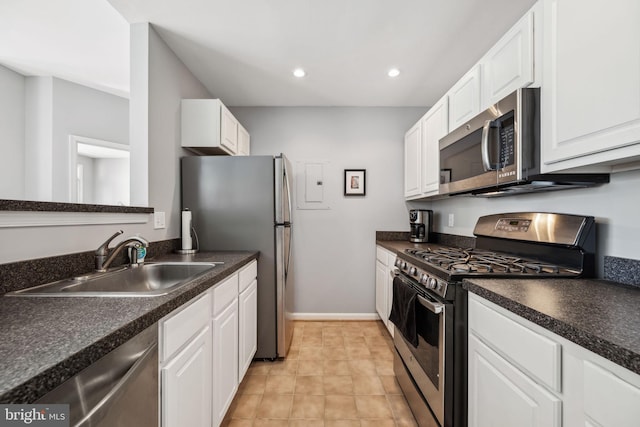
{"points": [[225, 360], [244, 141], [186, 385], [412, 159], [247, 327], [381, 291], [509, 64], [389, 289], [464, 98], [228, 130], [589, 104], [502, 396], [434, 126]]}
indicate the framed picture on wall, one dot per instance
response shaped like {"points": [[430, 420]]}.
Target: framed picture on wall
{"points": [[355, 182]]}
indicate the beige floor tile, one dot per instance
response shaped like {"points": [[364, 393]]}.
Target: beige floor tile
{"points": [[338, 384], [306, 423], [375, 341], [390, 384], [238, 423], [373, 407], [400, 408], [406, 422], [253, 384], [384, 366], [363, 367], [310, 353], [337, 352], [311, 341], [381, 353], [305, 406], [275, 406], [358, 352], [367, 385], [354, 339], [336, 367], [333, 340], [280, 384], [342, 423], [284, 367], [377, 423], [310, 367], [259, 368], [245, 406], [312, 384], [340, 407], [332, 331], [258, 422], [293, 353]]}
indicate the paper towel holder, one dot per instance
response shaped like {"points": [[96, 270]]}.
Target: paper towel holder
{"points": [[190, 251]]}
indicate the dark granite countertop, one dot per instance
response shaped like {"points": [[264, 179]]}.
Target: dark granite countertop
{"points": [[45, 341], [599, 315]]}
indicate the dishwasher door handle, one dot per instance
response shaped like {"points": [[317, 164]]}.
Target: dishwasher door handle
{"points": [[95, 414]]}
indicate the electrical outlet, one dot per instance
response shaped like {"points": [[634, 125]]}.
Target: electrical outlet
{"points": [[158, 220], [451, 220]]}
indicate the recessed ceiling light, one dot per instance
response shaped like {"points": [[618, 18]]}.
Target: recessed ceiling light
{"points": [[394, 72], [299, 72]]}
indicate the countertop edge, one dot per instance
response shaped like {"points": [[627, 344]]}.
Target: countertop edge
{"points": [[40, 384], [613, 352]]}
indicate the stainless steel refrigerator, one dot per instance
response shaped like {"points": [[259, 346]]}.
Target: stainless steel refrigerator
{"points": [[244, 203]]}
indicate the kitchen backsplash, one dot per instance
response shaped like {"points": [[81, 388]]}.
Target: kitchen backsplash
{"points": [[24, 274], [622, 270]]}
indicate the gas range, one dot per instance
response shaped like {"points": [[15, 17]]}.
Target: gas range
{"points": [[525, 244]]}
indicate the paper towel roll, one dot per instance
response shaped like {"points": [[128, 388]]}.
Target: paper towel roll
{"points": [[187, 243]]}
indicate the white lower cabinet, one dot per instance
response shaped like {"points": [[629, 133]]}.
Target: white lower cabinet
{"points": [[500, 395], [385, 261], [225, 359], [206, 347], [186, 385], [515, 367]]}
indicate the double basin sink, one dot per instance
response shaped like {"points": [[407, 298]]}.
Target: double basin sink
{"points": [[144, 280]]}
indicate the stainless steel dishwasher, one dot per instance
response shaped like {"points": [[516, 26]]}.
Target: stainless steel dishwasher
{"points": [[119, 390]]}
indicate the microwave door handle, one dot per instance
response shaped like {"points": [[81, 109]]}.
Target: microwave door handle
{"points": [[486, 162]]}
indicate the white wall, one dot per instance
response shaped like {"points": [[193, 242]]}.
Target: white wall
{"points": [[11, 134], [334, 250], [615, 206], [167, 81]]}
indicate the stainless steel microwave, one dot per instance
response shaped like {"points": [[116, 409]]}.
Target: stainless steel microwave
{"points": [[497, 152]]}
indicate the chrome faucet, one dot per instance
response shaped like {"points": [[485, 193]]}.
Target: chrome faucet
{"points": [[104, 256]]}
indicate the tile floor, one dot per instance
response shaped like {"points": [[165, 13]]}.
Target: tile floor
{"points": [[337, 374]]}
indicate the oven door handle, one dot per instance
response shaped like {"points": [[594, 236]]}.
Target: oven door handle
{"points": [[434, 307]]}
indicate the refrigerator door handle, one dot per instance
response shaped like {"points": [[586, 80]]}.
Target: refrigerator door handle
{"points": [[286, 184], [286, 267]]}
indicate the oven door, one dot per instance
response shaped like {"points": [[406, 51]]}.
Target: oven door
{"points": [[426, 362]]}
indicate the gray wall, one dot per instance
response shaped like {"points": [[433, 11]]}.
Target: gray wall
{"points": [[11, 134], [615, 206], [334, 250]]}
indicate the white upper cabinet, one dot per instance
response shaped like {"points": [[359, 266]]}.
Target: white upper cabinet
{"points": [[590, 99], [509, 64], [244, 141], [412, 158], [464, 98], [208, 127], [434, 126]]}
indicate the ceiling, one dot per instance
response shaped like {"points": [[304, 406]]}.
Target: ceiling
{"points": [[244, 51]]}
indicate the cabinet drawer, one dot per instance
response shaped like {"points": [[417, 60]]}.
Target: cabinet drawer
{"points": [[608, 399], [224, 293], [180, 327], [537, 355], [381, 255], [247, 275]]}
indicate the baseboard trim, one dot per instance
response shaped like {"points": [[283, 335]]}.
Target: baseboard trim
{"points": [[335, 316]]}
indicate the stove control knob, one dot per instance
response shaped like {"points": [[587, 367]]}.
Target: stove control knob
{"points": [[403, 265], [398, 262], [413, 271], [433, 283], [424, 279]]}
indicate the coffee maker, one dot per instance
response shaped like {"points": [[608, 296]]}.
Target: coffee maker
{"points": [[420, 221]]}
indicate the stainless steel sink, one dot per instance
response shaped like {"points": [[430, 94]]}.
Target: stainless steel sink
{"points": [[150, 279]]}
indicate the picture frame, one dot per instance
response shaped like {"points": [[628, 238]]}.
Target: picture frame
{"points": [[355, 182], [445, 176]]}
